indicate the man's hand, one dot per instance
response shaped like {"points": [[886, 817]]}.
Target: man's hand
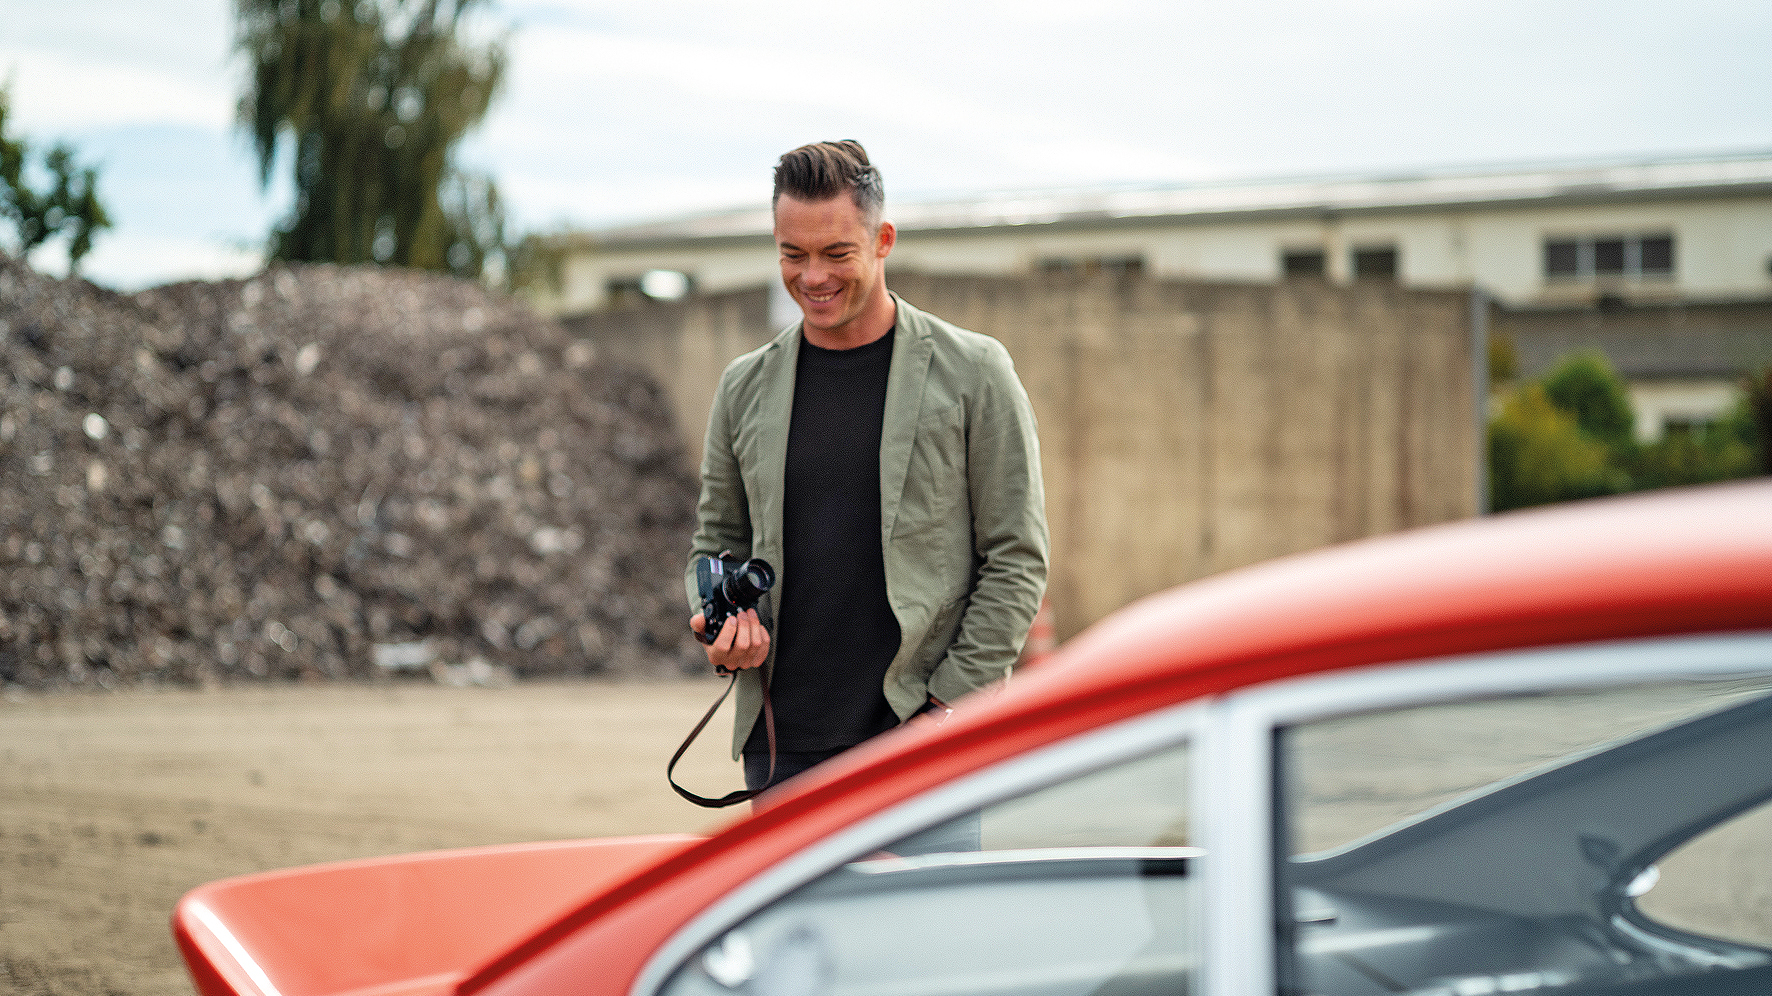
{"points": [[934, 713], [743, 642]]}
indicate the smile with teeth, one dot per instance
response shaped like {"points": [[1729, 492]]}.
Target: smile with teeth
{"points": [[817, 299]]}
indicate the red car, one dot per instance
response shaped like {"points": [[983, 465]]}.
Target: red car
{"points": [[1530, 753]]}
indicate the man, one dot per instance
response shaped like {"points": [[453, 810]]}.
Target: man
{"points": [[886, 464]]}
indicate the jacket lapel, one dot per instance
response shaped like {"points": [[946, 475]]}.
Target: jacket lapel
{"points": [[911, 349], [774, 412]]}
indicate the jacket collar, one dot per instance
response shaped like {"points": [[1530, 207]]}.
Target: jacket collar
{"points": [[911, 349], [912, 346]]}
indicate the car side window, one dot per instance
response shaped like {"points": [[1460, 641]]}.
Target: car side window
{"points": [[1513, 844], [1080, 887], [1719, 884]]}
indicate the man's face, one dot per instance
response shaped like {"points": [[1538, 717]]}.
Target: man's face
{"points": [[830, 262]]}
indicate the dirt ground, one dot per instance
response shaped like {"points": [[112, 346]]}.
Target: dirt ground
{"points": [[112, 806]]}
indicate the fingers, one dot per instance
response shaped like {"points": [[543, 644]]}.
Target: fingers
{"points": [[743, 642], [749, 644]]}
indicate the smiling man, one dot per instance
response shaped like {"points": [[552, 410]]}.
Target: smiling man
{"points": [[887, 464]]}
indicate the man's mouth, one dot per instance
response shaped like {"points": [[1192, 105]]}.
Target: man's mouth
{"points": [[821, 299]]}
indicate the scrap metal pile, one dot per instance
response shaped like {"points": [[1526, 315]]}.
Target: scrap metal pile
{"points": [[327, 473]]}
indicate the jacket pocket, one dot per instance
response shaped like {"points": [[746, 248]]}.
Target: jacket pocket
{"points": [[935, 482]]}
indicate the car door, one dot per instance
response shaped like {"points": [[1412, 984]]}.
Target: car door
{"points": [[1495, 824]]}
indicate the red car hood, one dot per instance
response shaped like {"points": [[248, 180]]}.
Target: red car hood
{"points": [[400, 926]]}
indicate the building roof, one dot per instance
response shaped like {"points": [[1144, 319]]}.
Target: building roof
{"points": [[1565, 182]]}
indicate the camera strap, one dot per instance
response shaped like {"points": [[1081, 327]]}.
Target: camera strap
{"points": [[768, 729]]}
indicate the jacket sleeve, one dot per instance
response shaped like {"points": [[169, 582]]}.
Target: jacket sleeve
{"points": [[722, 515], [1009, 535]]}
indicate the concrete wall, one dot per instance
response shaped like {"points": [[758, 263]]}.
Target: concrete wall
{"points": [[1186, 428]]}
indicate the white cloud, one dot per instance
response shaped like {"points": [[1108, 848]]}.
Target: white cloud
{"points": [[58, 91], [131, 261], [616, 111]]}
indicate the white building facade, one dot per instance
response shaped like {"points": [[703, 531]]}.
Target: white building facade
{"points": [[1552, 243]]}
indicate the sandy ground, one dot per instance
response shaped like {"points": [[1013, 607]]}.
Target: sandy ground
{"points": [[112, 806]]}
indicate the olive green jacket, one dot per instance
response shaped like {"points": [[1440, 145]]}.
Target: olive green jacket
{"points": [[962, 504]]}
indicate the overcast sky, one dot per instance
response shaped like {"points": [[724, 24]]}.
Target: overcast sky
{"points": [[618, 111]]}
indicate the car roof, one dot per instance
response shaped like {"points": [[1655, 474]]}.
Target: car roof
{"points": [[1681, 561]]}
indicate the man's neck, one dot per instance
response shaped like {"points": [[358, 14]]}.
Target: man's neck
{"points": [[867, 327]]}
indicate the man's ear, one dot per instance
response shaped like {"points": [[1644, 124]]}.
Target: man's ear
{"points": [[885, 239]]}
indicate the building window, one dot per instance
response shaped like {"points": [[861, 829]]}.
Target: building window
{"points": [[1628, 257], [1116, 266], [1375, 263], [1303, 263], [653, 285]]}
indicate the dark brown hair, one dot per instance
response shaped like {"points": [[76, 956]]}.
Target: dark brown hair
{"points": [[823, 170]]}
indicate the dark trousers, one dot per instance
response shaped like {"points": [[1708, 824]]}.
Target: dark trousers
{"points": [[788, 763], [960, 834]]}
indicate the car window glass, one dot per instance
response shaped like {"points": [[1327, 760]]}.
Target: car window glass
{"points": [[1356, 775], [1076, 887], [1504, 845], [1720, 883]]}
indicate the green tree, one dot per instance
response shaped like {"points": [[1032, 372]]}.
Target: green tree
{"points": [[1757, 409], [69, 206], [370, 98], [1538, 454], [1700, 454], [1586, 386], [1570, 435]]}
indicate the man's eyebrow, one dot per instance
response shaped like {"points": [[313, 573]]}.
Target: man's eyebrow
{"points": [[786, 246]]}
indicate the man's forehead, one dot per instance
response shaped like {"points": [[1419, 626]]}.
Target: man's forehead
{"points": [[831, 221]]}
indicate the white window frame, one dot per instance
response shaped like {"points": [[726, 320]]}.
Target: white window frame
{"points": [[1585, 271]]}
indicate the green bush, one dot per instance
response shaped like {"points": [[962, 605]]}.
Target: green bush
{"points": [[1586, 386], [1571, 435], [1538, 455], [1720, 452]]}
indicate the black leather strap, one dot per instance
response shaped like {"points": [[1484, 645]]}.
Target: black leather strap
{"points": [[768, 729]]}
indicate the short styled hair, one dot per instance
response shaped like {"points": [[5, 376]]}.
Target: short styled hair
{"points": [[823, 170]]}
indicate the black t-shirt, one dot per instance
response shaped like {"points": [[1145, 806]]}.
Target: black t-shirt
{"points": [[835, 632]]}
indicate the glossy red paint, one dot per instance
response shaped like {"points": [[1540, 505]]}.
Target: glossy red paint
{"points": [[390, 926], [1665, 564]]}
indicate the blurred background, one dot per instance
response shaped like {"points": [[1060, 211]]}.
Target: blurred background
{"points": [[610, 113], [357, 338]]}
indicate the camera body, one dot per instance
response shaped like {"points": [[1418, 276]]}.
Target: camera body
{"points": [[729, 586]]}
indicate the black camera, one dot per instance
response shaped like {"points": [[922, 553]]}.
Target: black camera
{"points": [[729, 586]]}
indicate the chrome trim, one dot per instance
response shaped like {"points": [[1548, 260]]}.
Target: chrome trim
{"points": [[1038, 768], [1236, 887], [1536, 671], [1032, 855]]}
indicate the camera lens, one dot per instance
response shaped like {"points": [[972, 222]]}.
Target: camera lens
{"points": [[747, 584]]}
